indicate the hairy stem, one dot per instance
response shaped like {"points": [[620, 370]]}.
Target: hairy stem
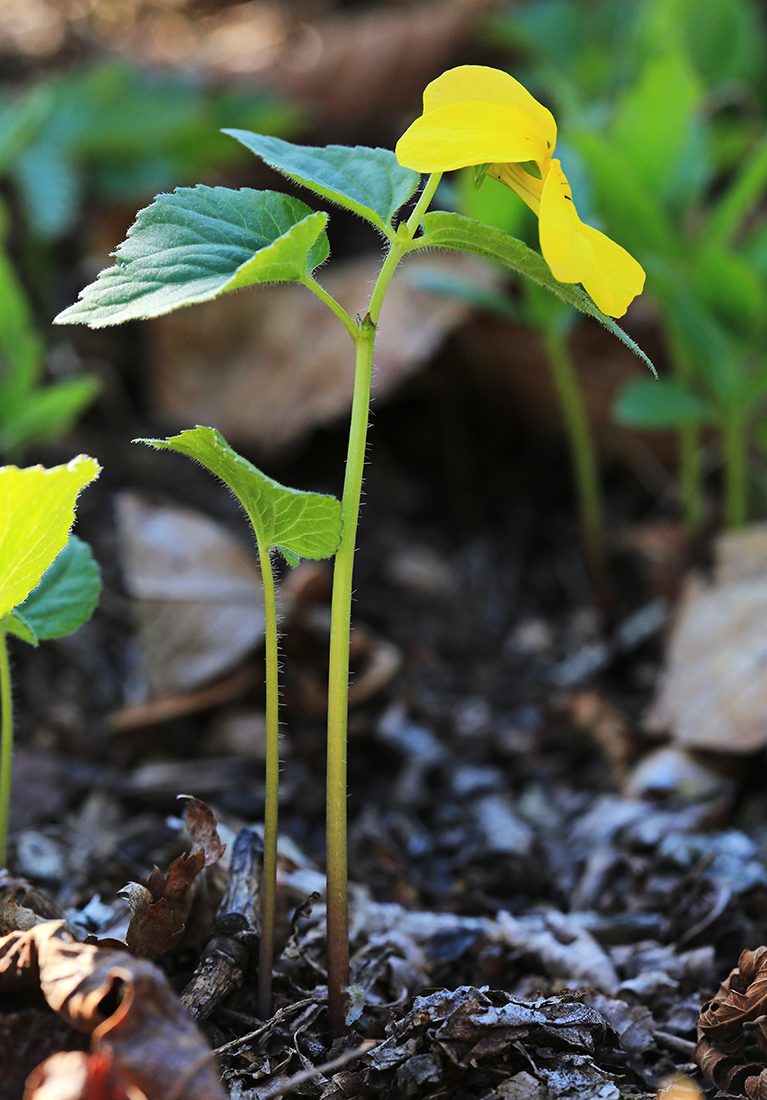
{"points": [[271, 806], [582, 451], [340, 626], [338, 684], [6, 746], [311, 284]]}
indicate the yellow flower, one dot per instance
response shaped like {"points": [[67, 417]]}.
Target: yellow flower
{"points": [[474, 115]]}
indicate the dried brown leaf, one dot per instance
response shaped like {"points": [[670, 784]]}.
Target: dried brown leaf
{"points": [[712, 694], [125, 1004], [160, 907], [269, 368], [732, 1039], [196, 589], [75, 1075]]}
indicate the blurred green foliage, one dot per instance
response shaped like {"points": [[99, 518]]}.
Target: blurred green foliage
{"points": [[121, 132], [662, 108], [111, 133]]}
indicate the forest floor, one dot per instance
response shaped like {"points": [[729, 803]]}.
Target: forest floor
{"points": [[540, 904]]}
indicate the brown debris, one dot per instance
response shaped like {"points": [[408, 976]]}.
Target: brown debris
{"points": [[126, 1005], [732, 1031], [227, 953], [160, 907], [75, 1075]]}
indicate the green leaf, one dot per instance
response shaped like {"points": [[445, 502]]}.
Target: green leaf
{"points": [[21, 351], [298, 524], [48, 413], [65, 598], [198, 242], [659, 405], [453, 231], [651, 126], [370, 182], [12, 623], [37, 510], [632, 214]]}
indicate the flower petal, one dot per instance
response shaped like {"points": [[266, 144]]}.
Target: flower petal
{"points": [[578, 253], [456, 135], [568, 254], [521, 182], [480, 83], [616, 277]]}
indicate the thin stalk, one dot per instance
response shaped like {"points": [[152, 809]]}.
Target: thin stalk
{"points": [[734, 448], [338, 685], [316, 288], [690, 452], [582, 452], [271, 806], [402, 244], [6, 746], [422, 205], [340, 627]]}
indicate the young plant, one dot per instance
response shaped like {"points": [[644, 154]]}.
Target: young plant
{"points": [[49, 582], [31, 412], [198, 243], [297, 525]]}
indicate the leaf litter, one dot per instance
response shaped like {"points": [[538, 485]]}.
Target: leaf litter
{"points": [[519, 934]]}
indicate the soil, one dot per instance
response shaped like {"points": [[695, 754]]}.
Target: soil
{"points": [[506, 850]]}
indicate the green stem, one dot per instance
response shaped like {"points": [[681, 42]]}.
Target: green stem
{"points": [[311, 284], [340, 626], [734, 447], [422, 205], [402, 244], [271, 807], [582, 451], [338, 685], [6, 746], [690, 453]]}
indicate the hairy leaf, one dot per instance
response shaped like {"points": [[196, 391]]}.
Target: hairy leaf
{"points": [[453, 231], [198, 242], [298, 524], [371, 182]]}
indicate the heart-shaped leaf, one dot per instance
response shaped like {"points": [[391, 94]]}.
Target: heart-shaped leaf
{"points": [[37, 510], [453, 231], [199, 242], [64, 599], [371, 182], [298, 524]]}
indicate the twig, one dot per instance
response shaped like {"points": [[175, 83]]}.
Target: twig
{"points": [[675, 1042], [279, 1016], [284, 1087]]}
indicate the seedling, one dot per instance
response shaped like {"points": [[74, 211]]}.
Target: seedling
{"points": [[49, 582], [297, 525], [198, 243]]}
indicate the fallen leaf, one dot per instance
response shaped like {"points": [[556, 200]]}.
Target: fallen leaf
{"points": [[713, 694], [245, 364], [160, 907], [197, 592], [125, 1004], [75, 1075], [732, 1036]]}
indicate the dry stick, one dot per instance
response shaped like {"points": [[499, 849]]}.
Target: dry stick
{"points": [[279, 1016], [318, 1071], [222, 967]]}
